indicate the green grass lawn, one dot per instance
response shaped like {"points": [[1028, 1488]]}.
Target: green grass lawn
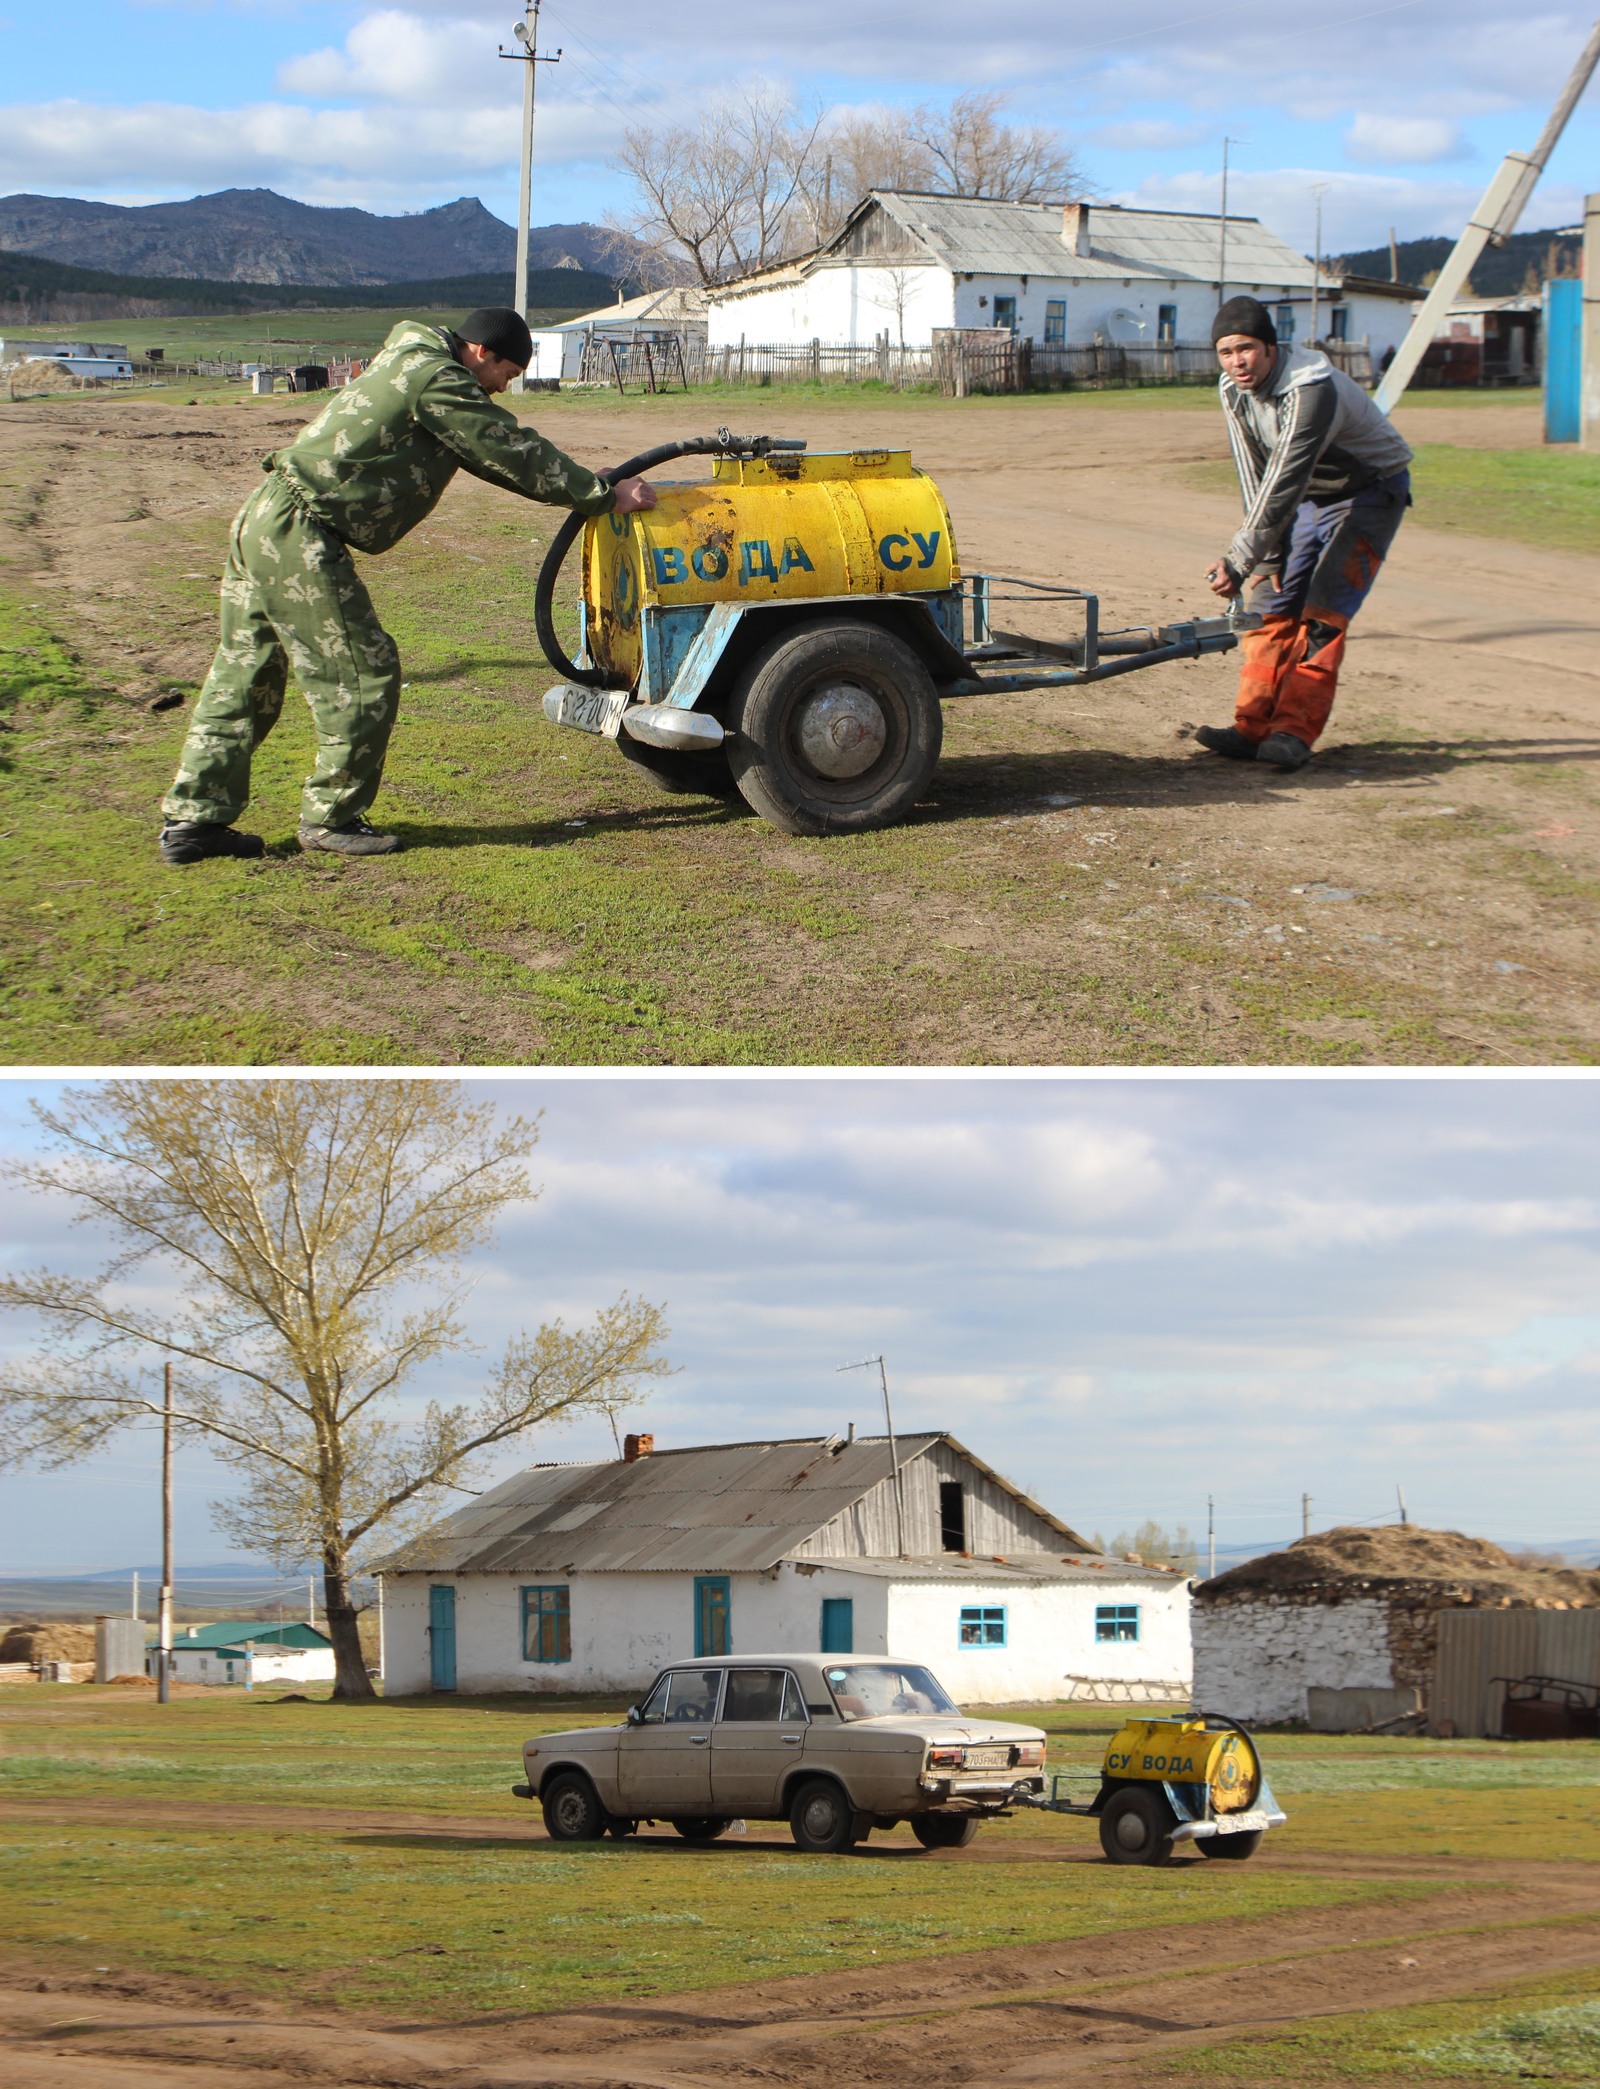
{"points": [[444, 1920], [256, 336]]}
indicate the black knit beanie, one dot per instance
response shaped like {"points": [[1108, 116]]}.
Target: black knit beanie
{"points": [[1244, 315], [503, 333]]}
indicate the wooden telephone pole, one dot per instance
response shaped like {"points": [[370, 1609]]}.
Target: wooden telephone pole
{"points": [[531, 58], [164, 1615]]}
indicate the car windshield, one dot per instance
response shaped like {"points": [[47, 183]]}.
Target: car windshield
{"points": [[871, 1690]]}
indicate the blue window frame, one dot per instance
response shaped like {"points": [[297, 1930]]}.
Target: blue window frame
{"points": [[1055, 322], [547, 1624], [713, 1623], [1116, 1621], [983, 1625], [1005, 312]]}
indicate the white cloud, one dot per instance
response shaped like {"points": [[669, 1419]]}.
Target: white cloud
{"points": [[1418, 141], [400, 57], [1153, 134]]}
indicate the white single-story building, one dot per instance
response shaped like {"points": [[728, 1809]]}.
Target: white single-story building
{"points": [[247, 1651], [659, 317], [905, 264], [593, 1577]]}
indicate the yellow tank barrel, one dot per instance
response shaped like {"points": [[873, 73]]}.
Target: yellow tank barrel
{"points": [[784, 527], [1185, 1751]]}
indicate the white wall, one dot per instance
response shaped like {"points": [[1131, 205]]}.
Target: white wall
{"points": [[1256, 1661], [207, 1665], [627, 1626], [845, 305]]}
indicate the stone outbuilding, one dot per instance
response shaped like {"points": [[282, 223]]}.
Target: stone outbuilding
{"points": [[1397, 1626]]}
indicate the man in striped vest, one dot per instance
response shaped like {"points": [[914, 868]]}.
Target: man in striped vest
{"points": [[1326, 483]]}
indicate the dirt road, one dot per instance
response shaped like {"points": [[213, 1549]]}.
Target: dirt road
{"points": [[1424, 892]]}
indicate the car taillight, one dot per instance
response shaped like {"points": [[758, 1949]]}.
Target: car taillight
{"points": [[1030, 1754], [946, 1758]]}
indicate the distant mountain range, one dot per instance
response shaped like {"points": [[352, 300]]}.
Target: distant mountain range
{"points": [[258, 236], [1525, 261]]}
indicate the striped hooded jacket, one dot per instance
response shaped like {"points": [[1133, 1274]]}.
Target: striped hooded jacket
{"points": [[1313, 434]]}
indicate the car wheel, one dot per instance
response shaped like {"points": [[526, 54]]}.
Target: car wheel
{"points": [[1136, 1827], [697, 1829], [821, 1818], [944, 1831], [836, 729], [572, 1809], [1244, 1844], [707, 775]]}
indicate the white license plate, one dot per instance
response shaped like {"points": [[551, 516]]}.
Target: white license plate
{"points": [[987, 1759], [593, 710]]}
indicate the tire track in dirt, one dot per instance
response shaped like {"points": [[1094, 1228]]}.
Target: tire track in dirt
{"points": [[1029, 2018]]}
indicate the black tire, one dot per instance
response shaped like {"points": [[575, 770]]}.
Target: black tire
{"points": [[685, 775], [1136, 1827], [1245, 1844], [884, 713], [697, 1830], [821, 1818], [944, 1831], [572, 1809]]}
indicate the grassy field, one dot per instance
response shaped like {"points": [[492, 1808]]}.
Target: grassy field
{"points": [[172, 1866], [256, 336]]}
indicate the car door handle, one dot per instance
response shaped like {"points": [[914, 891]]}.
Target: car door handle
{"points": [[791, 1740], [699, 1740]]}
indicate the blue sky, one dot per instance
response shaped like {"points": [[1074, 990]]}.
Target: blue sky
{"points": [[1126, 1294], [1404, 109]]}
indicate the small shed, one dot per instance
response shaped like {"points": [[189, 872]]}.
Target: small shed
{"points": [[669, 323], [1355, 1628], [244, 1650], [594, 1576]]}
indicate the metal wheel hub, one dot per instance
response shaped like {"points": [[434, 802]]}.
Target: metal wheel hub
{"points": [[841, 730], [1131, 1831], [821, 1818], [570, 1810]]}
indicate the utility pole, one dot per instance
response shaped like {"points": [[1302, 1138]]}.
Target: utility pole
{"points": [[1318, 189], [164, 1621], [1222, 238], [526, 33], [865, 1364], [1305, 1515], [1211, 1538], [311, 1601], [133, 1610], [1400, 1497]]}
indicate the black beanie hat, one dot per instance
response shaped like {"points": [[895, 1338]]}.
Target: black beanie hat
{"points": [[503, 333], [1244, 315]]}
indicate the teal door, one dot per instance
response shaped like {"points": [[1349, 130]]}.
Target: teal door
{"points": [[1563, 359], [442, 1638], [838, 1625]]}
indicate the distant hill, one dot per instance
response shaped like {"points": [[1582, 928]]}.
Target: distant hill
{"points": [[1525, 261], [258, 236], [51, 293]]}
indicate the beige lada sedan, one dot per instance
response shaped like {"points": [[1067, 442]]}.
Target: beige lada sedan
{"points": [[836, 1747]]}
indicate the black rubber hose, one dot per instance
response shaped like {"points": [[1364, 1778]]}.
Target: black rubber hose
{"points": [[720, 444]]}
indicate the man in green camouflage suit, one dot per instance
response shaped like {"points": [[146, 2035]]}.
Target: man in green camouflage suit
{"points": [[369, 468]]}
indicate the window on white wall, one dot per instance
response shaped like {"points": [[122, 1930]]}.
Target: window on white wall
{"points": [[1116, 1621], [1055, 322], [1005, 312], [1166, 322], [983, 1626]]}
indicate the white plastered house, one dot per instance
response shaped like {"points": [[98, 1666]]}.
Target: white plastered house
{"points": [[676, 313], [905, 263], [592, 1577]]}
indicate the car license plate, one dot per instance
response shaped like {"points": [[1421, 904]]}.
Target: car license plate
{"points": [[987, 1759], [593, 710]]}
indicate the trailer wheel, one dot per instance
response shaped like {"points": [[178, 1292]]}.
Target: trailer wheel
{"points": [[1240, 1846], [944, 1831], [706, 775], [1136, 1827], [821, 1819], [698, 1829], [836, 727], [572, 1809]]}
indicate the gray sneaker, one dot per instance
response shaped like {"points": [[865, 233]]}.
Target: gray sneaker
{"points": [[354, 839], [1284, 751]]}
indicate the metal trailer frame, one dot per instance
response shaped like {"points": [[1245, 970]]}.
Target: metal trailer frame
{"points": [[684, 647], [1190, 1803]]}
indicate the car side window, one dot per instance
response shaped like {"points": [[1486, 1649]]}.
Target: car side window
{"points": [[654, 1708], [692, 1694], [794, 1705], [754, 1694]]}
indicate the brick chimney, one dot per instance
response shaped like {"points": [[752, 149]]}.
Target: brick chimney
{"points": [[1075, 227], [636, 1447]]}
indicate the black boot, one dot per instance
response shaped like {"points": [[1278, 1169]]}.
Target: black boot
{"points": [[355, 838], [192, 841], [1284, 751], [1228, 740]]}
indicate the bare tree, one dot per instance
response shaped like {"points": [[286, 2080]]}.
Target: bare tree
{"points": [[1153, 1543], [315, 1231], [972, 153]]}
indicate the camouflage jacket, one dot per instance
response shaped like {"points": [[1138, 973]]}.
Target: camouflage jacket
{"points": [[377, 458]]}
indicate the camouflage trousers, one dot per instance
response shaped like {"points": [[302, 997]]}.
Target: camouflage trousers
{"points": [[291, 598]]}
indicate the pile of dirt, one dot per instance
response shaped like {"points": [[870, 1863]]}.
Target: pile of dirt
{"points": [[52, 1642], [1350, 1560], [37, 375]]}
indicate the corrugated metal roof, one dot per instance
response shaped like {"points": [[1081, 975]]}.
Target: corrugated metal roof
{"points": [[712, 1509], [1018, 1566], [234, 1632]]}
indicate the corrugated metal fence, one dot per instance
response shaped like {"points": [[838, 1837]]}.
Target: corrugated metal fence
{"points": [[1475, 1646]]}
